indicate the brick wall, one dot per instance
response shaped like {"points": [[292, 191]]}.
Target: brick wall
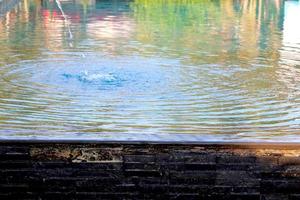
{"points": [[149, 171]]}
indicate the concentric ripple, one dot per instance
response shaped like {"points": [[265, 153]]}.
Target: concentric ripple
{"points": [[151, 70]]}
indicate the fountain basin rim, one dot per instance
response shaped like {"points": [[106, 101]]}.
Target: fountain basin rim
{"points": [[259, 144]]}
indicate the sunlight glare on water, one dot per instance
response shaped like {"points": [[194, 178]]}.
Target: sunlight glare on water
{"points": [[150, 70]]}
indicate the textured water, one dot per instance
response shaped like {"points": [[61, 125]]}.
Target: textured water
{"points": [[179, 70]]}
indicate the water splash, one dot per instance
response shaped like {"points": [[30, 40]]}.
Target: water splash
{"points": [[67, 22], [85, 76]]}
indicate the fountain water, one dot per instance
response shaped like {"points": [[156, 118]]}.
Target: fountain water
{"points": [[67, 23]]}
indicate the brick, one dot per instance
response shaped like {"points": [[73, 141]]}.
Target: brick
{"points": [[293, 197], [237, 178], [280, 186], [289, 160], [233, 159], [200, 166], [142, 173]]}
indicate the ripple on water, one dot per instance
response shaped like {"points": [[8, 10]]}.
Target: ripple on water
{"points": [[140, 70], [95, 94], [134, 75]]}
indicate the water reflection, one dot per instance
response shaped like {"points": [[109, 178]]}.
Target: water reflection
{"points": [[221, 70], [290, 52]]}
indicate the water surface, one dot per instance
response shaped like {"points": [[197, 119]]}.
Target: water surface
{"points": [[197, 70]]}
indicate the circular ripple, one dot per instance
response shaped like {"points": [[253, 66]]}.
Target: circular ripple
{"points": [[91, 94]]}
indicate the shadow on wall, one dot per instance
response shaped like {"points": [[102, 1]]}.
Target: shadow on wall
{"points": [[147, 171]]}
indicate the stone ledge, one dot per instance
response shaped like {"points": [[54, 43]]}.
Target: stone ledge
{"points": [[139, 170]]}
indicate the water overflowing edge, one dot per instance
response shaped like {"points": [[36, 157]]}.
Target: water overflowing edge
{"points": [[147, 139], [245, 144]]}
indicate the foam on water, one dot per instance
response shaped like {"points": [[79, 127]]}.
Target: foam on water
{"points": [[85, 76]]}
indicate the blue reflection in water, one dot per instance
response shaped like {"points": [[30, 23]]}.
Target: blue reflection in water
{"points": [[92, 75]]}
